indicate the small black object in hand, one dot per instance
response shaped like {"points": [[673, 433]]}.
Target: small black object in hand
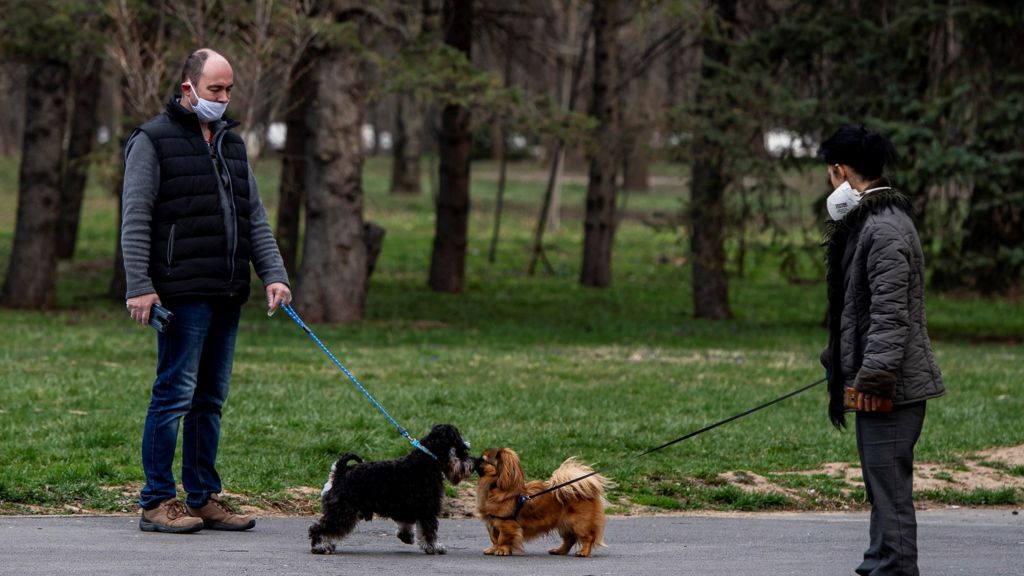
{"points": [[160, 318]]}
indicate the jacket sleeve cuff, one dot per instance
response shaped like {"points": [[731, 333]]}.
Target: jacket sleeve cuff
{"points": [[826, 358], [876, 382]]}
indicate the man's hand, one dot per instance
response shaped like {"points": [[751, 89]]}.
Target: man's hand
{"points": [[277, 294], [140, 306]]}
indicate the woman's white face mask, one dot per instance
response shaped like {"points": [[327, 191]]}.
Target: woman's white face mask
{"points": [[842, 200]]}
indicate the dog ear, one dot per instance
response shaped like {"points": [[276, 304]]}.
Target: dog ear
{"points": [[510, 472]]}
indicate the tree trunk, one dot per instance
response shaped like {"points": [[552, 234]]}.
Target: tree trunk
{"points": [[636, 132], [570, 91], [500, 147], [599, 222], [12, 102], [499, 200], [405, 167], [31, 281], [636, 173], [448, 261], [569, 71], [331, 285], [84, 81], [123, 123], [293, 166], [498, 137], [707, 207]]}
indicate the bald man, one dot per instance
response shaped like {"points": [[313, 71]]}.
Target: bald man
{"points": [[192, 222]]}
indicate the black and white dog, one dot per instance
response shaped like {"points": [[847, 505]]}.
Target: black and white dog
{"points": [[408, 490]]}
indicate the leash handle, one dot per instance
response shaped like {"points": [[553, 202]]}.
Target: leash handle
{"points": [[405, 433]]}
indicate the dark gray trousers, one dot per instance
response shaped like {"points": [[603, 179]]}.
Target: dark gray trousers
{"points": [[885, 442]]}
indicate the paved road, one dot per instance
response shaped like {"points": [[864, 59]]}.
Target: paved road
{"points": [[952, 542]]}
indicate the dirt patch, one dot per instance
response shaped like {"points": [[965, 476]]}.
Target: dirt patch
{"points": [[994, 469]]}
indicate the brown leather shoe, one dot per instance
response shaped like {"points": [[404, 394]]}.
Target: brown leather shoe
{"points": [[169, 516], [216, 514]]}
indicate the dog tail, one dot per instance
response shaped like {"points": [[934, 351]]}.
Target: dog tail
{"points": [[342, 462], [339, 464], [590, 488]]}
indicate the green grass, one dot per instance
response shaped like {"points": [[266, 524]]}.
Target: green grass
{"points": [[536, 363], [977, 497], [1017, 470]]}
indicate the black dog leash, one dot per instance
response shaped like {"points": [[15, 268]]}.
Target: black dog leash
{"points": [[522, 499], [731, 418]]}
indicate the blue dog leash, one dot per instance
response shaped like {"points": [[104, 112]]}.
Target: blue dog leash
{"points": [[401, 430]]}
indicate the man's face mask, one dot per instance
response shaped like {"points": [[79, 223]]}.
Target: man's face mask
{"points": [[206, 110], [842, 200]]}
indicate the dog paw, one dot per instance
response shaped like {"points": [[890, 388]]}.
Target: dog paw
{"points": [[322, 549], [435, 548], [405, 535]]}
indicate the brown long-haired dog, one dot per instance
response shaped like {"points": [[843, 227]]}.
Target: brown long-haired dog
{"points": [[576, 511]]}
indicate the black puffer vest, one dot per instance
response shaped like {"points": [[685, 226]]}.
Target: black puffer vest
{"points": [[200, 229]]}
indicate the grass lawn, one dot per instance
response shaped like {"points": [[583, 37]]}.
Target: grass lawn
{"points": [[535, 363]]}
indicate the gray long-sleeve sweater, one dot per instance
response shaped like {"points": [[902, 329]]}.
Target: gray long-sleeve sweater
{"points": [[141, 183]]}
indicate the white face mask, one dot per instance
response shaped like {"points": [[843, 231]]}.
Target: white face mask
{"points": [[207, 110], [842, 200]]}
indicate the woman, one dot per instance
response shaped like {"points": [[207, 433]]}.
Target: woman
{"points": [[879, 360]]}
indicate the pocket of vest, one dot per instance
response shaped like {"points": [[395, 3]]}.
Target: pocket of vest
{"points": [[170, 249]]}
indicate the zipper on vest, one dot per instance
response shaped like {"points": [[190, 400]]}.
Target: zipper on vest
{"points": [[170, 249], [220, 165]]}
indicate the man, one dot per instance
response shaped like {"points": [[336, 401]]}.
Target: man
{"points": [[192, 221], [879, 354]]}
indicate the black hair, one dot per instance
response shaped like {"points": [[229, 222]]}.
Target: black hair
{"points": [[194, 65], [864, 150]]}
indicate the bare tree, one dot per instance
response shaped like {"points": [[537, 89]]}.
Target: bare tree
{"points": [[85, 76], [707, 208], [293, 167], [405, 152], [448, 259], [259, 65], [569, 52], [48, 47], [12, 102], [31, 281], [550, 206], [331, 284], [599, 221]]}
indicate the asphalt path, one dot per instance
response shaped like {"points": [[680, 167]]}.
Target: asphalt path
{"points": [[951, 541]]}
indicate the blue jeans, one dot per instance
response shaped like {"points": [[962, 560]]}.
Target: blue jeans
{"points": [[193, 373]]}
